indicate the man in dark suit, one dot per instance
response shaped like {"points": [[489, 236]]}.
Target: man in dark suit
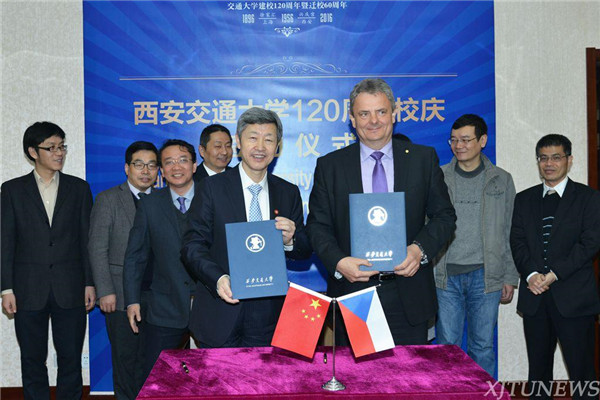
{"points": [[380, 164], [45, 268], [215, 149], [159, 225], [554, 237], [111, 220], [244, 193]]}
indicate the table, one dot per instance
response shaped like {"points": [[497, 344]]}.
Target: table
{"points": [[405, 372]]}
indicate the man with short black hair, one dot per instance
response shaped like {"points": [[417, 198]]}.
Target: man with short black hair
{"points": [[158, 228], [476, 271], [215, 149], [554, 238], [111, 220], [45, 268], [247, 192]]}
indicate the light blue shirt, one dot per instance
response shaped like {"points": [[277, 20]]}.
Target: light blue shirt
{"points": [[189, 196], [263, 195], [367, 163]]}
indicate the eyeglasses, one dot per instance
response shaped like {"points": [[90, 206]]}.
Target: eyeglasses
{"points": [[139, 165], [172, 162], [455, 141], [554, 158], [54, 149]]}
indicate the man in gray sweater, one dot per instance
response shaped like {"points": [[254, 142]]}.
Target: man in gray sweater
{"points": [[476, 271]]}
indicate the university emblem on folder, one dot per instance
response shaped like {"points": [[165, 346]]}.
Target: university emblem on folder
{"points": [[255, 243], [377, 216], [378, 229]]}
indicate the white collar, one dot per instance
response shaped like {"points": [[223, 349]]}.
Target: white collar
{"points": [[209, 171], [136, 192], [560, 188], [247, 181]]}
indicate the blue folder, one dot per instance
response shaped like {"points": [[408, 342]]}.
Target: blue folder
{"points": [[256, 260], [378, 229]]}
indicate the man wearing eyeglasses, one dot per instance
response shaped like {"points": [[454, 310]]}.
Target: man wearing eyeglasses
{"points": [[554, 237], [46, 274], [476, 271], [111, 220], [155, 238]]}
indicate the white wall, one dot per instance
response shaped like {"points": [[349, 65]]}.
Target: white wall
{"points": [[540, 88], [41, 71]]}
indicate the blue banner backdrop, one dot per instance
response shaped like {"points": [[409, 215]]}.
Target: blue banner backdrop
{"points": [[166, 69]]}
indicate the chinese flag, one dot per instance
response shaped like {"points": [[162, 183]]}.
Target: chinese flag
{"points": [[301, 320]]}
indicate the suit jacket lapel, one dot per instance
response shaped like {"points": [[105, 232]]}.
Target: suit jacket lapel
{"points": [[563, 206], [401, 165], [168, 208], [64, 188], [274, 196], [352, 171], [236, 195], [536, 214], [126, 199], [34, 193]]}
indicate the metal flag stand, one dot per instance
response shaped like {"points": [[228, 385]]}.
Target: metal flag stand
{"points": [[333, 384]]}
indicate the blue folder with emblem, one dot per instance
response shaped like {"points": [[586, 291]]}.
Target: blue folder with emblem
{"points": [[378, 229], [256, 260]]}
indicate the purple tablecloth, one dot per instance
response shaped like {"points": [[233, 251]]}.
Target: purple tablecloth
{"points": [[405, 372]]}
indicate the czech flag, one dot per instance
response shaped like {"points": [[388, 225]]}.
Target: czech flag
{"points": [[365, 322], [301, 320]]}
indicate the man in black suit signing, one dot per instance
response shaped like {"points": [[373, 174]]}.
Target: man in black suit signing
{"points": [[45, 268], [155, 240], [380, 164], [554, 237], [215, 150], [247, 192]]}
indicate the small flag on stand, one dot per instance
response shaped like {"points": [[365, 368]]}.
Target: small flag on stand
{"points": [[301, 320], [365, 322]]}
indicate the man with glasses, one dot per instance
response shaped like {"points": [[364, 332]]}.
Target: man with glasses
{"points": [[45, 269], [554, 237], [215, 149], [111, 220], [476, 271], [155, 238]]}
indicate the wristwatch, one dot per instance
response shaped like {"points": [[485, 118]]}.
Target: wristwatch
{"points": [[424, 259]]}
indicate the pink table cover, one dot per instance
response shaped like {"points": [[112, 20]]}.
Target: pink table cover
{"points": [[405, 372]]}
